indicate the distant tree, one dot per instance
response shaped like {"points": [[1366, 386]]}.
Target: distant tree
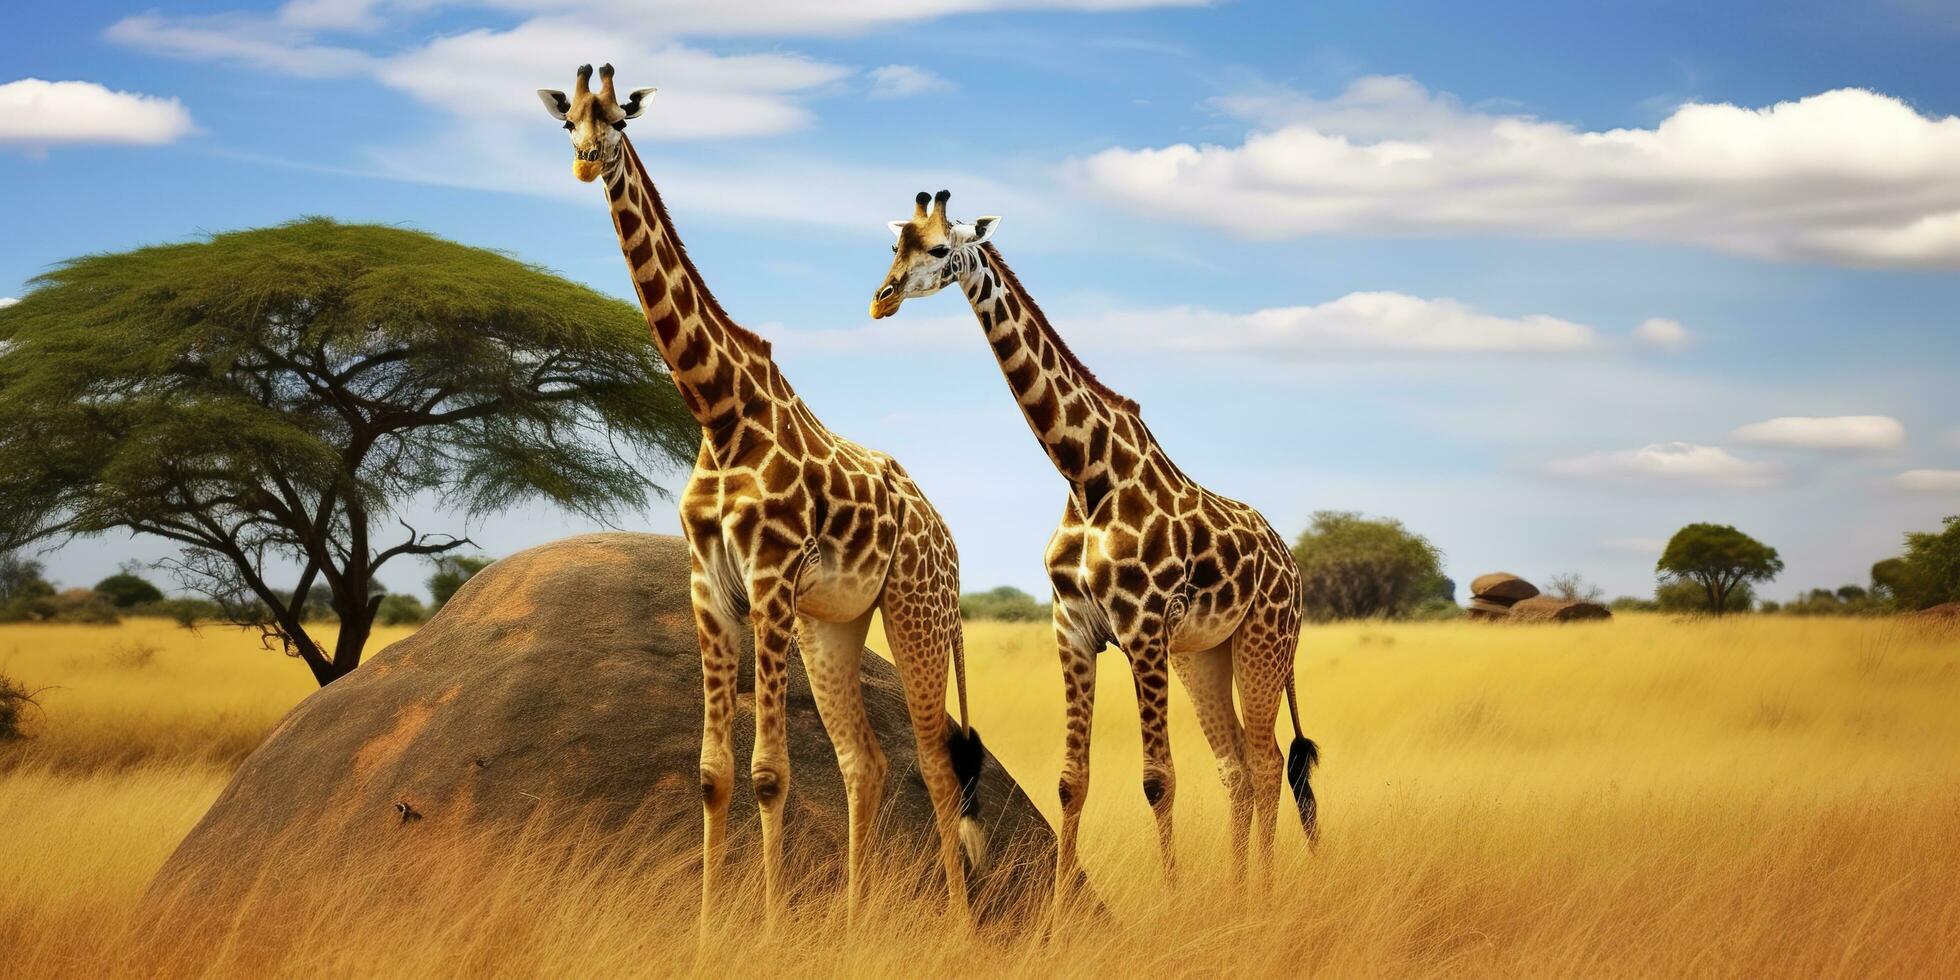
{"points": [[1631, 603], [1442, 589], [1353, 567], [126, 589], [402, 610], [24, 594], [20, 578], [1005, 603], [266, 399], [1680, 595], [1573, 587], [1928, 574], [1891, 579], [1852, 593], [1718, 558], [451, 571]]}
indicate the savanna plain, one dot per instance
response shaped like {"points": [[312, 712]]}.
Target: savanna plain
{"points": [[1750, 796]]}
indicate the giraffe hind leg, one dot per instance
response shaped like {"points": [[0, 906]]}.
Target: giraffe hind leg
{"points": [[1262, 653], [1207, 678], [922, 623], [833, 657]]}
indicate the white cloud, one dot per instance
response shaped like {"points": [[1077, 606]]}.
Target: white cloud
{"points": [[6, 301], [1929, 481], [781, 18], [1847, 176], [1636, 547], [1662, 332], [240, 39], [1370, 324], [1359, 323], [339, 15], [41, 113], [702, 94], [1667, 464], [1832, 433], [900, 81]]}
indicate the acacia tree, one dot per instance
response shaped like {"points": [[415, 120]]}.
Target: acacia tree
{"points": [[1718, 558], [1353, 567], [269, 398]]}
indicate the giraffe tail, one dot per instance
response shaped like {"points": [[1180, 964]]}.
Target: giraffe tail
{"points": [[1301, 757], [969, 758]]}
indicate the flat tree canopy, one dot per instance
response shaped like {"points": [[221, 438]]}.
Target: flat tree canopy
{"points": [[270, 396], [1719, 559]]}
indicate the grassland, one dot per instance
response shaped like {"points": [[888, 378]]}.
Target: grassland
{"points": [[1760, 796]]}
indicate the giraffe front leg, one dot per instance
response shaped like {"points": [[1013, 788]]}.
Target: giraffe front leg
{"points": [[1150, 668], [1078, 656], [773, 618], [715, 627]]}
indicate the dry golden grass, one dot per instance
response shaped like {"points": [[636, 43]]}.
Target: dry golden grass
{"points": [[1759, 796]]}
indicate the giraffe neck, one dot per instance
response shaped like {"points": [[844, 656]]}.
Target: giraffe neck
{"points": [[723, 371], [1089, 431]]}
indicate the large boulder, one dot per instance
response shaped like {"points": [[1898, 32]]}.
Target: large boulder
{"points": [[1551, 609], [1502, 588], [562, 687]]}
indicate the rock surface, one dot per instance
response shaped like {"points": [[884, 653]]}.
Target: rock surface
{"points": [[1550, 609], [563, 684], [1502, 588]]}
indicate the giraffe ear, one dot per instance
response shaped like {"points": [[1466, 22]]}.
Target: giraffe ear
{"points": [[554, 102], [897, 227], [633, 104], [979, 232]]}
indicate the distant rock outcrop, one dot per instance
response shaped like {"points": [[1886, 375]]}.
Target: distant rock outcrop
{"points": [[562, 684], [1504, 597], [1551, 609]]}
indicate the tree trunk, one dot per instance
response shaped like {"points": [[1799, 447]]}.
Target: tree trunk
{"points": [[355, 627]]}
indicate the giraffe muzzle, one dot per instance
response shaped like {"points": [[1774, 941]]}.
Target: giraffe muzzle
{"points": [[586, 170], [886, 302]]}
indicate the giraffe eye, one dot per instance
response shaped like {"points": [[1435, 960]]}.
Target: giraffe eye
{"points": [[940, 251]]}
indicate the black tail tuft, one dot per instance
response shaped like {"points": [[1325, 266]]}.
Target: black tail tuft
{"points": [[969, 756], [1300, 760]]}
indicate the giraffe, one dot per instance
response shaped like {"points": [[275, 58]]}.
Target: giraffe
{"points": [[1176, 576], [801, 532]]}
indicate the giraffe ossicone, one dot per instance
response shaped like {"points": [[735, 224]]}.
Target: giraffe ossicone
{"points": [[1176, 576], [795, 533]]}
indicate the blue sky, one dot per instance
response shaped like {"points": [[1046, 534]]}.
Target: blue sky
{"points": [[1545, 281]]}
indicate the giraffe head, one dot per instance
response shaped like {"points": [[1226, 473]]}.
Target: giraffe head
{"points": [[929, 252], [595, 119]]}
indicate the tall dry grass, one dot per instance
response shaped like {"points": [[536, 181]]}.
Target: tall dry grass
{"points": [[1759, 796]]}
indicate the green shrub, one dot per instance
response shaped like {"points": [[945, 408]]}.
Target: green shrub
{"points": [[187, 613], [125, 590], [14, 702], [402, 610], [1352, 567], [1688, 596], [1006, 603]]}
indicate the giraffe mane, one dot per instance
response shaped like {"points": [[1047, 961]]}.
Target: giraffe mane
{"points": [[712, 306], [1109, 395]]}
